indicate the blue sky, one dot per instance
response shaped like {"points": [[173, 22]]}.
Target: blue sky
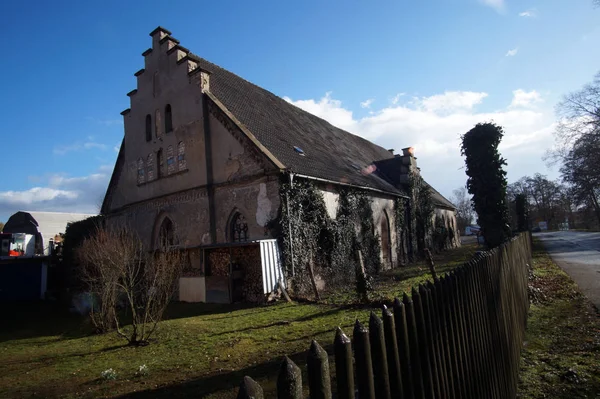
{"points": [[397, 72]]}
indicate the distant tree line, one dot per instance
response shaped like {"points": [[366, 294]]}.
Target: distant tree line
{"points": [[577, 150], [574, 198]]}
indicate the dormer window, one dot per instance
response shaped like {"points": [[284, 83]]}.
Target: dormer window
{"points": [[168, 119], [148, 128]]}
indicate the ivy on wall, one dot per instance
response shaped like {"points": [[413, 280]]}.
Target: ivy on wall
{"points": [[310, 236], [400, 224], [305, 230], [421, 213]]}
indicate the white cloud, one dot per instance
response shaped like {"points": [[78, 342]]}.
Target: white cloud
{"points": [[61, 193], [532, 13], [497, 5], [452, 101], [88, 145], [433, 126], [329, 109], [367, 103], [522, 98], [396, 98], [513, 52]]}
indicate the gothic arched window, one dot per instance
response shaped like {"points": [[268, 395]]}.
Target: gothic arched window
{"points": [[141, 175], [150, 167], [170, 160], [166, 235], [168, 119], [148, 127], [181, 156], [159, 164], [386, 242], [238, 228]]}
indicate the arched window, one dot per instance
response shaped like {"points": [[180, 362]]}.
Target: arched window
{"points": [[157, 126], [181, 156], [150, 167], [386, 241], [141, 175], [238, 229], [148, 127], [159, 163], [170, 160], [168, 119], [166, 235]]}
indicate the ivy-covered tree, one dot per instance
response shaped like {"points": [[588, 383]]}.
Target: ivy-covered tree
{"points": [[487, 180], [522, 212]]}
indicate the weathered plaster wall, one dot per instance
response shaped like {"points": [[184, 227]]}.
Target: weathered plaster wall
{"points": [[162, 82], [450, 218], [383, 211], [258, 201], [234, 157], [331, 199]]}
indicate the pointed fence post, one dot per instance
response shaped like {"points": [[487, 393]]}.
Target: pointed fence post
{"points": [[424, 344], [403, 348], [317, 363], [364, 365], [415, 352], [344, 370], [440, 344], [451, 352], [379, 354], [433, 352], [250, 389], [289, 381], [393, 358]]}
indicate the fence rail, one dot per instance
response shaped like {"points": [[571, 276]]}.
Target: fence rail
{"points": [[457, 337]]}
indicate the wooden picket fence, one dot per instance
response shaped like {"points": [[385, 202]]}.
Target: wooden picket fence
{"points": [[457, 337]]}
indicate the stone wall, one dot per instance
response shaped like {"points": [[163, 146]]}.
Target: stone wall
{"points": [[383, 213], [257, 200], [448, 219]]}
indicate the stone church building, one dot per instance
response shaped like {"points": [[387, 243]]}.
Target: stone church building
{"points": [[201, 164]]}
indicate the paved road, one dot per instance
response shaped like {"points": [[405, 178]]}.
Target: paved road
{"points": [[578, 254]]}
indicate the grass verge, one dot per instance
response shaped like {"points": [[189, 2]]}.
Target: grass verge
{"points": [[561, 356], [200, 350]]}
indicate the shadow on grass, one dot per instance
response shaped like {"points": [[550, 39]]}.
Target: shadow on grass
{"points": [[225, 385], [38, 319], [52, 359], [23, 320], [330, 312]]}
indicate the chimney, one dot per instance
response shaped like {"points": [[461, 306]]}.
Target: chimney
{"points": [[408, 164], [391, 150]]}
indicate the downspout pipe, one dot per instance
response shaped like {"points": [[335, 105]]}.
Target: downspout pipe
{"points": [[287, 204]]}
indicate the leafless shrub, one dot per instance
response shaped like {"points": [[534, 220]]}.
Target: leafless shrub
{"points": [[119, 272]]}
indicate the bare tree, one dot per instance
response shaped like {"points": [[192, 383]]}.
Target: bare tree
{"points": [[579, 115], [547, 200], [119, 272], [464, 209], [581, 169]]}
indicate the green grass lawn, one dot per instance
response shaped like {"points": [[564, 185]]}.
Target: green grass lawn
{"points": [[561, 357], [201, 350]]}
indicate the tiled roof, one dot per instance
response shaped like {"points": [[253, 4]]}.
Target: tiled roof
{"points": [[330, 153]]}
